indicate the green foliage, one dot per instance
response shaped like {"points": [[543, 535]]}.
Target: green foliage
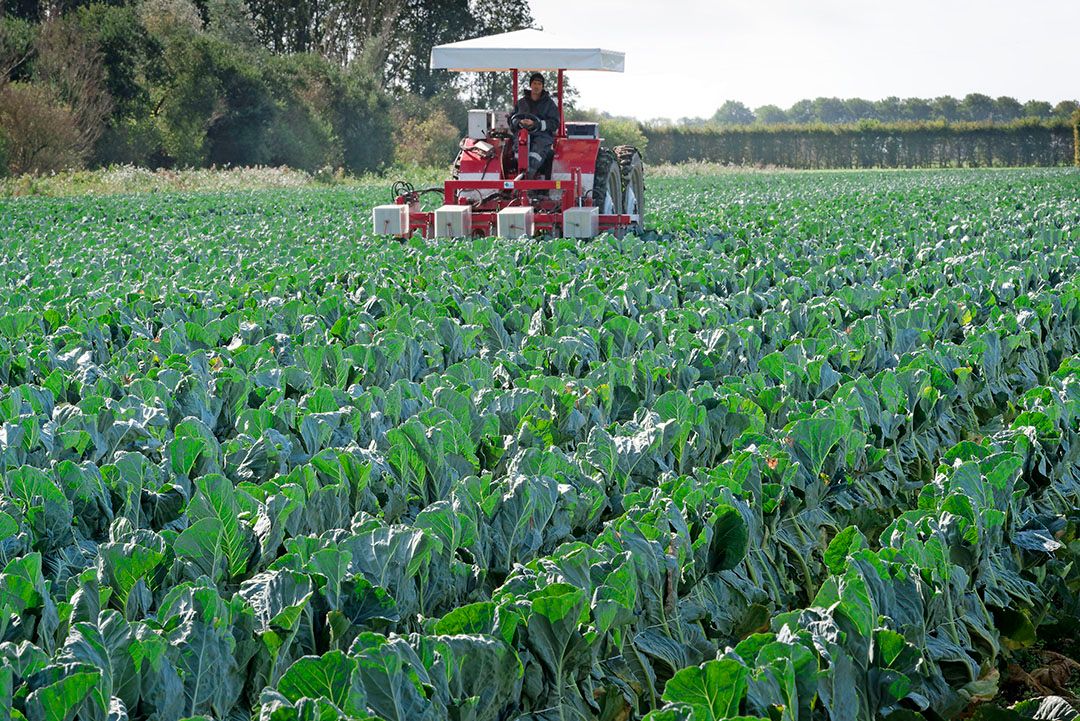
{"points": [[127, 52], [616, 131], [217, 108], [3, 153], [131, 58], [41, 131], [802, 459], [17, 38], [867, 144], [301, 134], [1076, 137], [187, 93], [432, 141], [974, 107], [360, 113]]}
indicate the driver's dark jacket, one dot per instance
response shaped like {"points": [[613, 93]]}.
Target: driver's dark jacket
{"points": [[544, 108]]}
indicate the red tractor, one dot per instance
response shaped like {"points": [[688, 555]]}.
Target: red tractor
{"points": [[582, 188]]}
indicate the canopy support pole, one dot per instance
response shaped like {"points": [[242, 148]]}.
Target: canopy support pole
{"points": [[562, 119], [513, 101]]}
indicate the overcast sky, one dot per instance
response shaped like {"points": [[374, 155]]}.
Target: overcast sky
{"points": [[684, 59]]}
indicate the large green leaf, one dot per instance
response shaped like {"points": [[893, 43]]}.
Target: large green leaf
{"points": [[714, 689], [390, 679], [216, 499], [201, 544], [123, 565], [61, 699], [198, 626], [814, 438], [554, 638], [730, 537], [331, 676], [108, 646]]}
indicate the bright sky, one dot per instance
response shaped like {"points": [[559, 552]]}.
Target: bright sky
{"points": [[686, 58]]}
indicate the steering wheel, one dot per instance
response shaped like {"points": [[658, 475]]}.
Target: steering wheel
{"points": [[516, 118]]}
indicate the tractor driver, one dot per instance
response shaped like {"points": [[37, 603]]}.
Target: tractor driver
{"points": [[538, 102]]}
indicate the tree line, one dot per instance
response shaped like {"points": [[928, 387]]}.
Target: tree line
{"points": [[165, 83], [1076, 138], [871, 144], [972, 108], [328, 84]]}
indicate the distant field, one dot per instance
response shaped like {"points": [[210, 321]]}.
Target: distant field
{"points": [[808, 450]]}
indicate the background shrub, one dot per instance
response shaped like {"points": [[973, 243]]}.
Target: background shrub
{"points": [[301, 132], [619, 131], [1076, 137], [362, 123], [3, 152], [426, 141], [43, 135]]}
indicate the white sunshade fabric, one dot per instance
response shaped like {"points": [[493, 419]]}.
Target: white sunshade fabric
{"points": [[524, 50]]}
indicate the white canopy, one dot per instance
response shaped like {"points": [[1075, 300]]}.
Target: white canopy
{"points": [[524, 50]]}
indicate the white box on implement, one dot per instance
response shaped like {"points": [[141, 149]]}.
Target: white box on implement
{"points": [[453, 221], [391, 219], [581, 222], [516, 221]]}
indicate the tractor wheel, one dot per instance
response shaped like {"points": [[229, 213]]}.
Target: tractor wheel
{"points": [[633, 182], [607, 183]]}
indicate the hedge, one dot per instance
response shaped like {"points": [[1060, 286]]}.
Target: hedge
{"points": [[870, 145]]}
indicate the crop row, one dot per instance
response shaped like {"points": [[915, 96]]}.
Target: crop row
{"points": [[495, 479]]}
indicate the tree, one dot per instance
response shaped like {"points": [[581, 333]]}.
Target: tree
{"points": [[801, 112], [70, 62], [917, 110], [231, 21], [362, 122], [977, 107], [430, 141], [301, 133], [423, 24], [1038, 109], [860, 109], [946, 108], [1007, 109], [1065, 109], [492, 90], [38, 130], [166, 19], [344, 31], [287, 27], [244, 108], [770, 115], [16, 46], [890, 109], [28, 10], [832, 110], [132, 60], [1076, 136], [359, 31], [732, 112]]}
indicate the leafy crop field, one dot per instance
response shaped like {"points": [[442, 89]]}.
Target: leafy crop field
{"points": [[810, 451]]}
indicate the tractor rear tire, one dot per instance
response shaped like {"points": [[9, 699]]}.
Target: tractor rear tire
{"points": [[607, 183], [633, 183]]}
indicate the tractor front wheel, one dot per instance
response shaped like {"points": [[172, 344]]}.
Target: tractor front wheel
{"points": [[632, 170], [607, 183]]}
